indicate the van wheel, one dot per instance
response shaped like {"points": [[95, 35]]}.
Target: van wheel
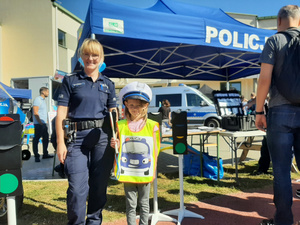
{"points": [[212, 122]]}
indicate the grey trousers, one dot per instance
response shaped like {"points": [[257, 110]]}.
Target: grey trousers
{"points": [[137, 194]]}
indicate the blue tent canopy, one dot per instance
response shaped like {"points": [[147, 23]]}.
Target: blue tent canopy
{"points": [[14, 92], [173, 40]]}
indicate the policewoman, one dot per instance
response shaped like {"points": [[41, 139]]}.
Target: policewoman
{"points": [[84, 101]]}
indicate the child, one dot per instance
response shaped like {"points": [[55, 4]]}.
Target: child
{"points": [[139, 143]]}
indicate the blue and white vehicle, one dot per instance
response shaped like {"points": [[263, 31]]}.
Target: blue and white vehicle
{"points": [[135, 157], [200, 109]]}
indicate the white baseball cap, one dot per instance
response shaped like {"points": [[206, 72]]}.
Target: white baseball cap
{"points": [[136, 90]]}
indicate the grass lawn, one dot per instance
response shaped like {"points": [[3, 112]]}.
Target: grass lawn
{"points": [[45, 201]]}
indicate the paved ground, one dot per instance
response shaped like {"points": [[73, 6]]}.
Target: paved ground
{"points": [[244, 208]]}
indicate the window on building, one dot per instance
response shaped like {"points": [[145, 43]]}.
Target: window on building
{"points": [[61, 38], [254, 84], [232, 86]]}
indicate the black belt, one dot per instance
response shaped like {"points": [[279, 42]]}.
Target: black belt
{"points": [[86, 124]]}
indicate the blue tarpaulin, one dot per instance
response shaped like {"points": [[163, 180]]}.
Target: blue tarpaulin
{"points": [[173, 40], [15, 92]]}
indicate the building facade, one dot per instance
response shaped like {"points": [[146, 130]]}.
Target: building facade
{"points": [[29, 38], [37, 40]]}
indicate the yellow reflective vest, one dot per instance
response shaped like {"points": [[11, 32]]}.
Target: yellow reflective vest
{"points": [[137, 158]]}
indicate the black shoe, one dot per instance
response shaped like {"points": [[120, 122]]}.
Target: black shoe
{"points": [[47, 156], [267, 222], [298, 193], [37, 160], [257, 172]]}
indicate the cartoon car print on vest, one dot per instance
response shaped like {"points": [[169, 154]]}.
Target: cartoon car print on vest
{"points": [[135, 157]]}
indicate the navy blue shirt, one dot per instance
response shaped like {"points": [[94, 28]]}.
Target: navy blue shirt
{"points": [[87, 99]]}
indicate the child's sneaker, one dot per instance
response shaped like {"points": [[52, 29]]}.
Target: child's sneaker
{"points": [[298, 193], [267, 222]]}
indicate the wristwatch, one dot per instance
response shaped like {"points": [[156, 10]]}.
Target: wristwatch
{"points": [[259, 113]]}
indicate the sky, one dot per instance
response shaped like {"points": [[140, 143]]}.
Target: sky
{"points": [[255, 7]]}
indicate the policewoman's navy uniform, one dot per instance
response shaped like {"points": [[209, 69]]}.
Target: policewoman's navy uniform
{"points": [[90, 158]]}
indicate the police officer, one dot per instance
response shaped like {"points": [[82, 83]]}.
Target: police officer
{"points": [[83, 103]]}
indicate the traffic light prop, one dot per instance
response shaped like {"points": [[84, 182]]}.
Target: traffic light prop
{"points": [[11, 158], [10, 130], [179, 132], [10, 155], [157, 117], [10, 183]]}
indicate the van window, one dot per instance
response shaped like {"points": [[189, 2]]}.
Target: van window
{"points": [[174, 99], [232, 86], [193, 100]]}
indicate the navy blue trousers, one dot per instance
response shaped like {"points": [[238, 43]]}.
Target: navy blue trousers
{"points": [[40, 131], [264, 160], [88, 165], [283, 134]]}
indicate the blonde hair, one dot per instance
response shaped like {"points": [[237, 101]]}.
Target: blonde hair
{"points": [[144, 114], [92, 46]]}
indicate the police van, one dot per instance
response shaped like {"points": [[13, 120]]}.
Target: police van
{"points": [[200, 109]]}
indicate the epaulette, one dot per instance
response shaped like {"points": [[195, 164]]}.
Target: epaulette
{"points": [[107, 78], [71, 74]]}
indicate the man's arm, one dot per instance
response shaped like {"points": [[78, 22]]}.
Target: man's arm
{"points": [[263, 87], [36, 114]]}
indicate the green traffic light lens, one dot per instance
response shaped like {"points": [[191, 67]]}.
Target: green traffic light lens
{"points": [[180, 148], [8, 183]]}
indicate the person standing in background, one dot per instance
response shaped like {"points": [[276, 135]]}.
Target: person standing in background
{"points": [[264, 160], [40, 115], [243, 99], [283, 122], [251, 104], [166, 112]]}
